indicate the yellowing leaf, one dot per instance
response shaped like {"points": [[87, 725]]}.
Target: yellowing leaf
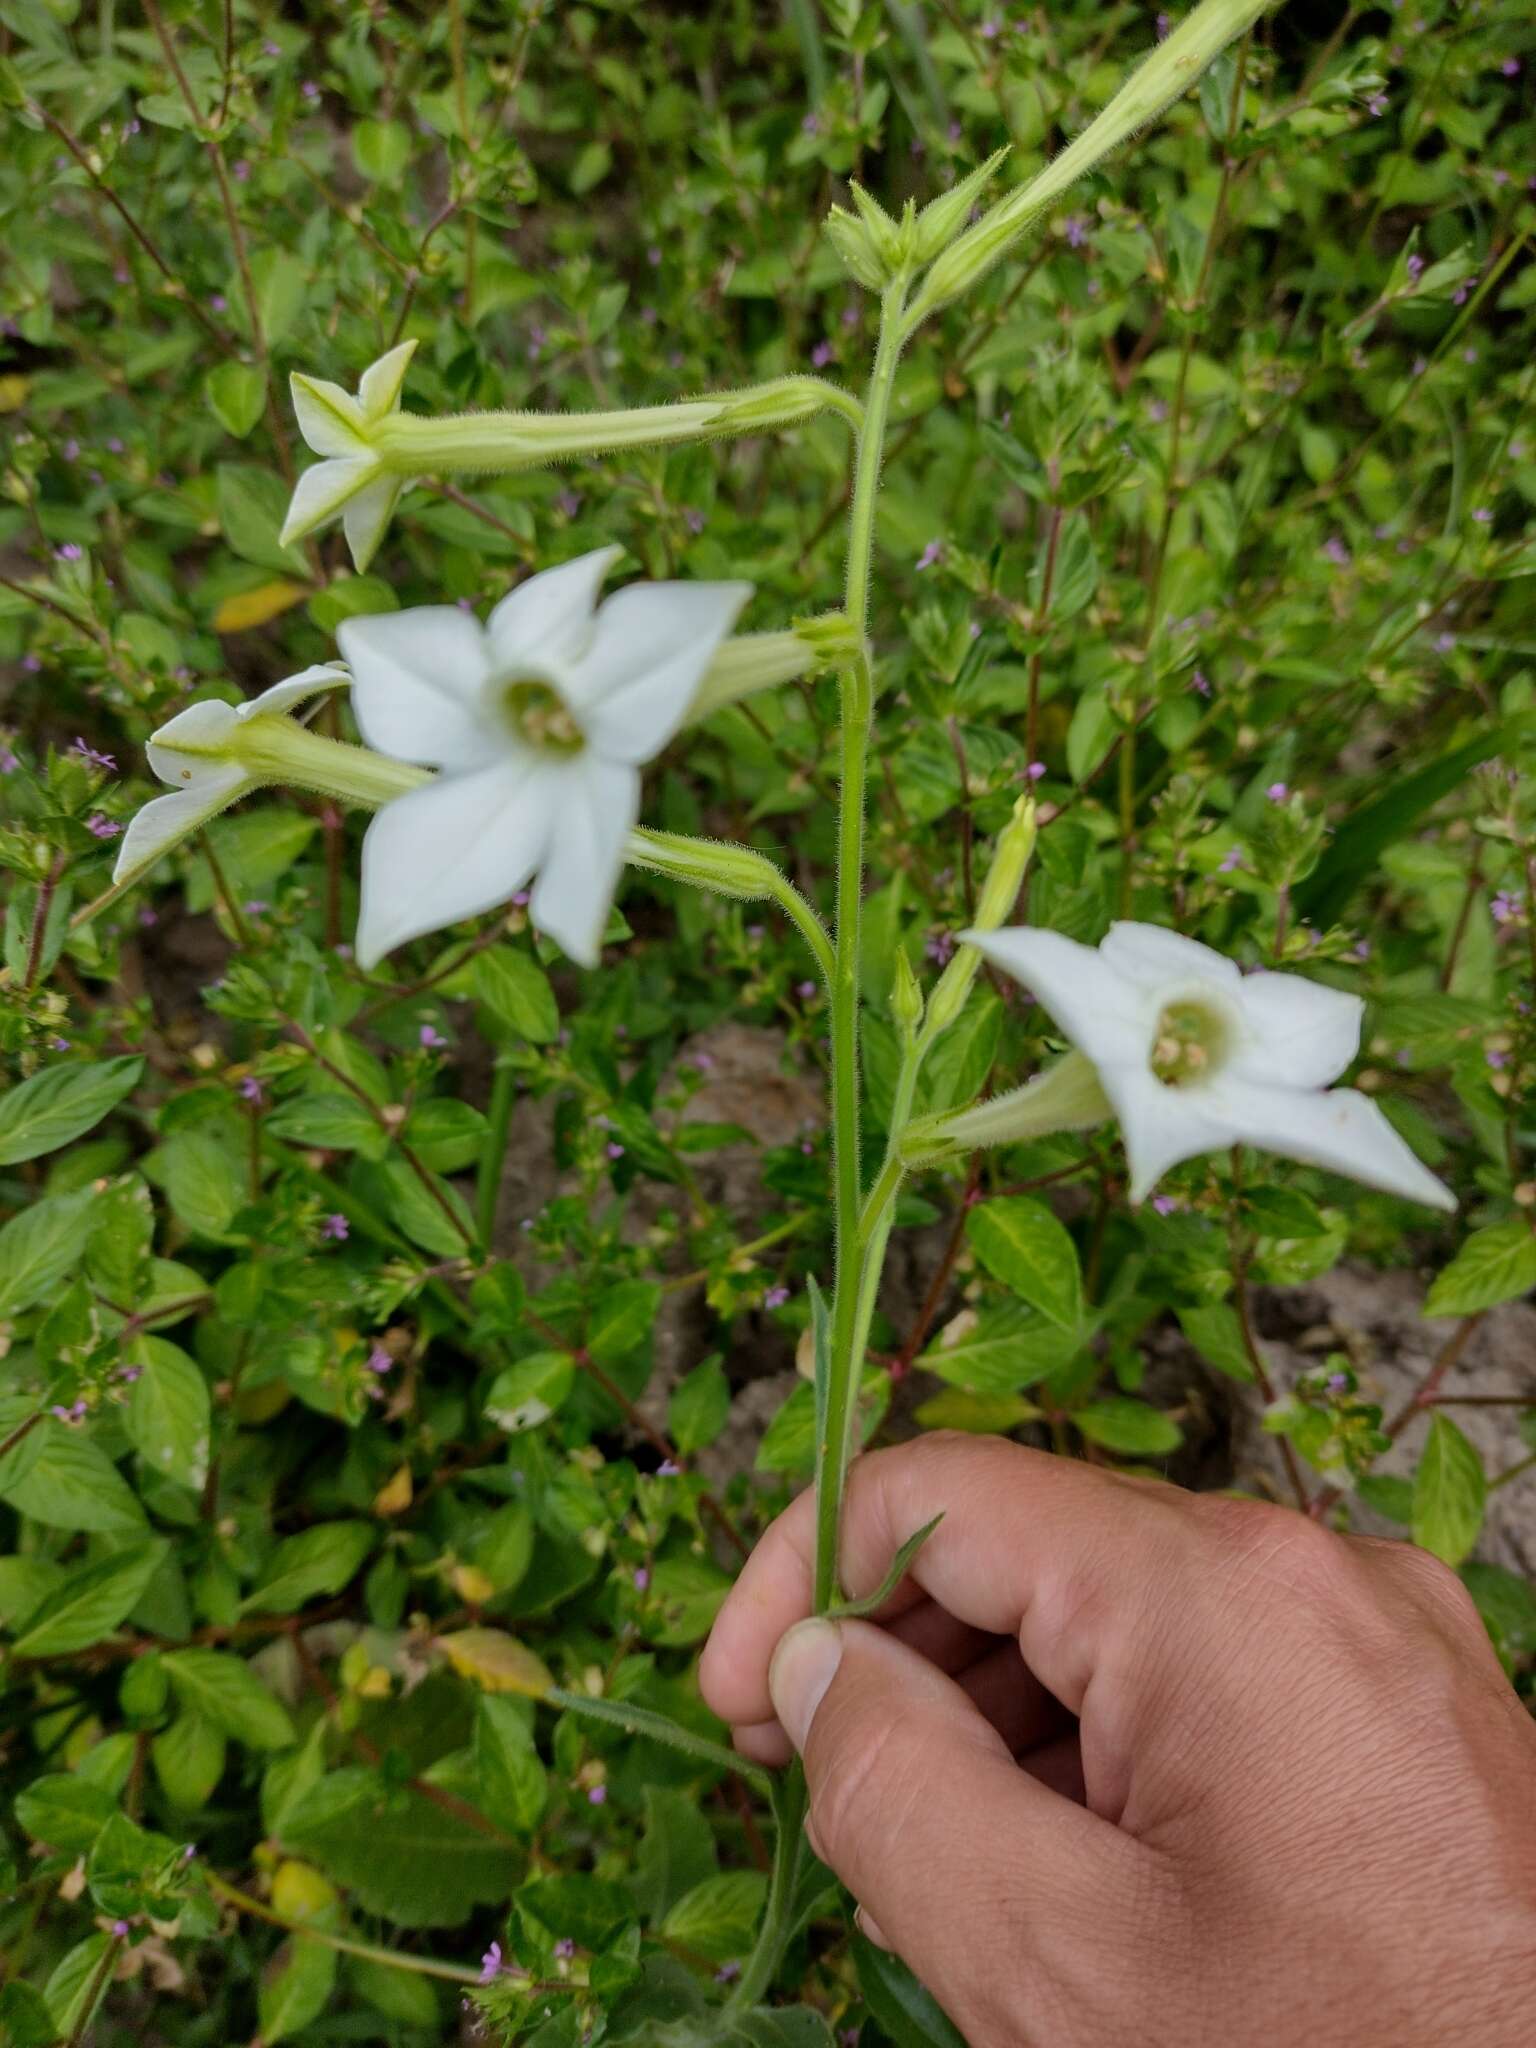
{"points": [[299, 1892], [13, 393], [394, 1496], [254, 607], [495, 1661]]}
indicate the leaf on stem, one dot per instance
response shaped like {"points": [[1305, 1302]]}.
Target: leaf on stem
{"points": [[853, 1610]]}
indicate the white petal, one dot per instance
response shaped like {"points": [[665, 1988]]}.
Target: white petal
{"points": [[652, 646], [418, 686], [330, 419], [451, 850], [365, 518], [379, 391], [164, 820], [1154, 957], [546, 623], [321, 492], [1103, 1014], [598, 803], [309, 682], [1302, 1034], [1161, 1126], [193, 746], [1341, 1130]]}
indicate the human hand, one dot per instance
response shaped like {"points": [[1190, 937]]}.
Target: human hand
{"points": [[1123, 1764]]}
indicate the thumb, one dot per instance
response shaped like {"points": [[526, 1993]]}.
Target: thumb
{"points": [[972, 1870]]}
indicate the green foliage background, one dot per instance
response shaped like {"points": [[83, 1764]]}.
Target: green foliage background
{"points": [[1223, 484]]}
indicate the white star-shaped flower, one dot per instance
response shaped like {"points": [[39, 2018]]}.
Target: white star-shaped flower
{"points": [[1195, 1056], [539, 721], [352, 479], [195, 754]]}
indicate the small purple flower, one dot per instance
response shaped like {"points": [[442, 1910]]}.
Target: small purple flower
{"points": [[1338, 1382], [1498, 1059], [931, 554], [271, 49], [1035, 772], [71, 450], [1505, 905], [821, 355], [642, 1577], [668, 1469], [568, 503], [310, 90], [727, 1973], [189, 1853], [810, 125], [491, 1964], [1164, 23], [1510, 67], [250, 1088], [521, 899], [1336, 551], [1376, 105], [9, 762], [59, 1044], [128, 1374], [614, 1149], [1469, 355], [565, 1948], [653, 257], [704, 1061], [378, 1360], [70, 552], [1483, 515], [776, 1297], [1200, 684], [598, 1796], [807, 1147], [939, 947], [805, 990], [336, 1227], [1076, 231], [1229, 860], [1360, 950], [1277, 792], [241, 169], [100, 827], [430, 1038], [850, 315], [1444, 642], [120, 1928], [693, 520], [1415, 268], [257, 907], [218, 303], [1165, 1204]]}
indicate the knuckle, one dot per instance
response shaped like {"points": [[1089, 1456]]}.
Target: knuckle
{"points": [[856, 1777], [1432, 1585], [1268, 1549]]}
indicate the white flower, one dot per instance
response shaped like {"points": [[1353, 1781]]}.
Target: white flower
{"points": [[353, 479], [539, 721], [196, 753], [1195, 1056]]}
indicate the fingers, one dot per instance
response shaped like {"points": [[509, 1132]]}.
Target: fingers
{"points": [[952, 1851], [1075, 1562]]}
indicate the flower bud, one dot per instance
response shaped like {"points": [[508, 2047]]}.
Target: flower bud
{"points": [[942, 218], [906, 997], [1015, 844], [705, 863], [1066, 1097]]}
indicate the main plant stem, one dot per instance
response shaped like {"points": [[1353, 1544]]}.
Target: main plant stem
{"points": [[853, 1298], [834, 1449]]}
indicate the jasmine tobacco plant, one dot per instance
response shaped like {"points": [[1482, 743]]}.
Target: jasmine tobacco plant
{"points": [[917, 711]]}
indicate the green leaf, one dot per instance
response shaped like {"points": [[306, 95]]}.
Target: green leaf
{"points": [[1005, 1346], [25, 2021], [205, 1181], [789, 1441], [515, 989], [528, 1393], [911, 2015], [281, 283], [445, 1135], [1021, 1243], [1131, 1427], [252, 506], [39, 1247], [295, 1987], [1507, 1604], [332, 1120], [981, 1414], [623, 1320], [303, 1567], [427, 1218], [676, 1853], [381, 149], [64, 1812], [227, 1692], [511, 1777], [1494, 1265], [901, 1564], [716, 1918], [437, 1868], [78, 1986], [1449, 1489], [687, 1592], [57, 1476], [90, 1603], [189, 1759], [698, 1406], [237, 396], [1217, 1335], [61, 1104], [169, 1412]]}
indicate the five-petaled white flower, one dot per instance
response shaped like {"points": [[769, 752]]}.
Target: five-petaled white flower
{"points": [[353, 478], [197, 754], [1194, 1055], [539, 721]]}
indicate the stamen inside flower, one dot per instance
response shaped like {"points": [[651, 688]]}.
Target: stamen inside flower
{"points": [[541, 717], [1190, 1044]]}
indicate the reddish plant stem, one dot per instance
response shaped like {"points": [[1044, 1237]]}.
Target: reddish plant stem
{"points": [[917, 1336]]}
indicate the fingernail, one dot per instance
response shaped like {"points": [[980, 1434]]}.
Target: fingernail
{"points": [[869, 1928], [804, 1665]]}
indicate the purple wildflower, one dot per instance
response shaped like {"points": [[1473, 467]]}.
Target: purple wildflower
{"points": [[805, 990], [1165, 1204], [1510, 67], [59, 1044], [378, 1360], [1338, 1382], [597, 1795], [568, 503], [1415, 268], [128, 1374], [821, 355], [70, 552], [1498, 1059], [1505, 905], [565, 1948], [1277, 792], [727, 1973], [614, 1149], [1076, 231], [250, 1088], [668, 1469], [931, 554], [1444, 642], [939, 947], [693, 520], [93, 757], [1200, 684], [336, 1227], [776, 1297], [1336, 551], [642, 1577], [1035, 772], [491, 1964], [120, 1928], [100, 827], [430, 1038], [1229, 860]]}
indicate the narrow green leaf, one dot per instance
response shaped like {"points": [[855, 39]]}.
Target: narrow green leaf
{"points": [[901, 1564]]}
